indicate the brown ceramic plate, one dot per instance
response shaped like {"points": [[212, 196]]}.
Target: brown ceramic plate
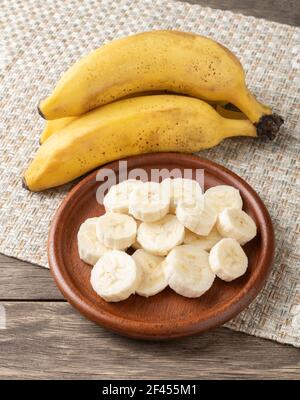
{"points": [[165, 315]]}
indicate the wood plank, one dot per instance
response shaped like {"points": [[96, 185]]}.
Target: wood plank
{"points": [[284, 11], [21, 280], [50, 340]]}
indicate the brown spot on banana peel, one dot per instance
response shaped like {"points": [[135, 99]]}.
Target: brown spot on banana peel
{"points": [[269, 125]]}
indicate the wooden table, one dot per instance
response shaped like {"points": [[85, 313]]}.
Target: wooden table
{"points": [[46, 338]]}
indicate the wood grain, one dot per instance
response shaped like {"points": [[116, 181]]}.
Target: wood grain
{"points": [[285, 11], [23, 281], [50, 340]]}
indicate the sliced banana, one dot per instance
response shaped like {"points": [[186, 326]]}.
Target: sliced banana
{"points": [[115, 230], [136, 245], [117, 198], [228, 260], [89, 247], [181, 189], [149, 202], [204, 242], [223, 196], [235, 223], [154, 279], [161, 236], [188, 271], [115, 276], [214, 221], [198, 216]]}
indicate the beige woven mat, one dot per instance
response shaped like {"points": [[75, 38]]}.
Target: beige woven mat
{"points": [[41, 38]]}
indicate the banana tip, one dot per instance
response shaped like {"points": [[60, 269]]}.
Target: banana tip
{"points": [[40, 111], [269, 125], [24, 184]]}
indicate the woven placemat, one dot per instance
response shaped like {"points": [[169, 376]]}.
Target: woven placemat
{"points": [[40, 39]]}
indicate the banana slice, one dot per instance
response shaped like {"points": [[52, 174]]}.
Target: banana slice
{"points": [[117, 198], [136, 245], [154, 279], [115, 230], [198, 216], [228, 260], [89, 247], [204, 242], [115, 276], [149, 202], [235, 223], [223, 196], [188, 271], [161, 236], [181, 189]]}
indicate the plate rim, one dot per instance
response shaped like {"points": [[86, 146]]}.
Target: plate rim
{"points": [[156, 330]]}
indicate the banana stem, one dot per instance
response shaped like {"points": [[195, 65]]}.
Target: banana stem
{"points": [[238, 127], [267, 124], [247, 103]]}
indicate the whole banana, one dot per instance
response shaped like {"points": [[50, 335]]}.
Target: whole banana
{"points": [[159, 60], [129, 127], [55, 125]]}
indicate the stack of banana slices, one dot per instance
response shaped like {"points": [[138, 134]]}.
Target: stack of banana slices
{"points": [[181, 238], [151, 92]]}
